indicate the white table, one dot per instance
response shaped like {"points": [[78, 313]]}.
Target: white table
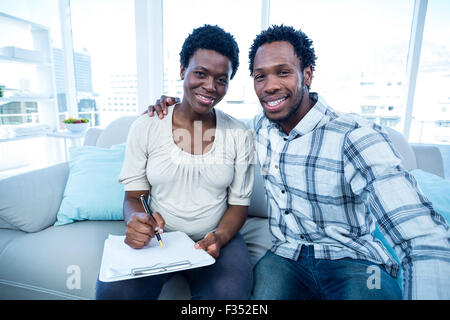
{"points": [[75, 138]]}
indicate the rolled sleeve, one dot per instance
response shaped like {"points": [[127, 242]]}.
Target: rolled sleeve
{"points": [[134, 169], [241, 187]]}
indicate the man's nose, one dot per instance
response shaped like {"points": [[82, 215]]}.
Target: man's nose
{"points": [[272, 84]]}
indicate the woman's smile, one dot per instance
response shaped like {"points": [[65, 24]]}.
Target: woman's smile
{"points": [[204, 99]]}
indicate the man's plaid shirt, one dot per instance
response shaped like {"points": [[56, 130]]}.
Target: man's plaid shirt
{"points": [[331, 179]]}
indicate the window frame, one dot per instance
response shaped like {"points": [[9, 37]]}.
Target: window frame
{"points": [[150, 61]]}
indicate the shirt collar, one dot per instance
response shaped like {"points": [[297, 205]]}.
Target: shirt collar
{"points": [[314, 116], [310, 121]]}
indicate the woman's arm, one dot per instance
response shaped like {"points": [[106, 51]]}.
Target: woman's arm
{"points": [[239, 193], [232, 221]]}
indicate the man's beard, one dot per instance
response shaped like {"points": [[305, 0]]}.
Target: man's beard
{"points": [[291, 112]]}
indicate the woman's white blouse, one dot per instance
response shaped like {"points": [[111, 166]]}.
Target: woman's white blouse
{"points": [[191, 192]]}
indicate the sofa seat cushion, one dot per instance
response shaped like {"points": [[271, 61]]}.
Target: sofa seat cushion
{"points": [[6, 236], [43, 265], [256, 234]]}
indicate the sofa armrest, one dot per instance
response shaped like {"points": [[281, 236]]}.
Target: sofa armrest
{"points": [[31, 200], [429, 158]]}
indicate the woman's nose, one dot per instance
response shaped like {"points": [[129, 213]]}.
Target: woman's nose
{"points": [[209, 84]]}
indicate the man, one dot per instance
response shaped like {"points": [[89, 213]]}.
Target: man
{"points": [[329, 177]]}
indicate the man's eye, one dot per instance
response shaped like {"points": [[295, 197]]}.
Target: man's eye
{"points": [[199, 73], [259, 77], [223, 81], [284, 73]]}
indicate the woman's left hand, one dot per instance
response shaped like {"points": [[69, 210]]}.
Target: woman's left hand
{"points": [[211, 243]]}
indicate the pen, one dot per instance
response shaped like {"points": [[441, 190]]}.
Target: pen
{"points": [[149, 212]]}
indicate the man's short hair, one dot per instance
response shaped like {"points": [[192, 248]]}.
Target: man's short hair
{"points": [[211, 38], [303, 46]]}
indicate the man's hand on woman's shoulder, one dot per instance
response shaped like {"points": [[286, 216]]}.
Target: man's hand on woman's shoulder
{"points": [[160, 107]]}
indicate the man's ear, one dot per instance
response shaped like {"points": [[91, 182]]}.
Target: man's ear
{"points": [[182, 72], [308, 76]]}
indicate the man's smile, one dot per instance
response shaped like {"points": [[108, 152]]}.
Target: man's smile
{"points": [[274, 104]]}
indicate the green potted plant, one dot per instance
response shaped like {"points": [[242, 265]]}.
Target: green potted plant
{"points": [[76, 125]]}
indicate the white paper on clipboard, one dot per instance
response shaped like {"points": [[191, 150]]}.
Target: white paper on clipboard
{"points": [[121, 262]]}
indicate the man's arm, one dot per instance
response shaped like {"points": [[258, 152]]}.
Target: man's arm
{"points": [[419, 235]]}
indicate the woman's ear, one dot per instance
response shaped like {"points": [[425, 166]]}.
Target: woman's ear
{"points": [[182, 72]]}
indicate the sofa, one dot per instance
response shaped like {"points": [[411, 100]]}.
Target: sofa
{"points": [[39, 260]]}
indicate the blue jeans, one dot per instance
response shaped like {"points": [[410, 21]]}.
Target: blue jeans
{"points": [[278, 278], [229, 278]]}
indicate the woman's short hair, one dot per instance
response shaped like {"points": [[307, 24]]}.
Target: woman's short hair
{"points": [[211, 38], [303, 46]]}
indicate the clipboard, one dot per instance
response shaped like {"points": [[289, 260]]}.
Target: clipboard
{"points": [[121, 262]]}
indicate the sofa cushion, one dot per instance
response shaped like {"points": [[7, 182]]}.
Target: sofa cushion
{"points": [[436, 189], [93, 191], [31, 200], [258, 205], [403, 147], [256, 234], [116, 132], [42, 265], [429, 159], [6, 236]]}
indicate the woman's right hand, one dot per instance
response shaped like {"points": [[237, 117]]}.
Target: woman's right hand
{"points": [[141, 228], [160, 107]]}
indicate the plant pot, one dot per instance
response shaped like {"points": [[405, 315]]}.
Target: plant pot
{"points": [[77, 127]]}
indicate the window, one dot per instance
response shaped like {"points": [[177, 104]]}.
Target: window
{"points": [[368, 109], [25, 63], [28, 100], [361, 48], [431, 113], [240, 18], [104, 45]]}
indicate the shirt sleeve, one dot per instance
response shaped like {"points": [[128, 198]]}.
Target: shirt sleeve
{"points": [[418, 234], [134, 169], [241, 187]]}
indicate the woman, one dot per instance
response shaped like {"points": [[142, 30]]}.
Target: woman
{"points": [[197, 164]]}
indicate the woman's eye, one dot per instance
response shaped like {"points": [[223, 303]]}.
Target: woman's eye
{"points": [[223, 81]]}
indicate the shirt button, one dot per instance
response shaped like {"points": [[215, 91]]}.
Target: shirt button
{"points": [[302, 237], [285, 139], [276, 166], [286, 211], [282, 191]]}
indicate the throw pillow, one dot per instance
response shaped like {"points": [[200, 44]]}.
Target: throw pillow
{"points": [[436, 189], [92, 191]]}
